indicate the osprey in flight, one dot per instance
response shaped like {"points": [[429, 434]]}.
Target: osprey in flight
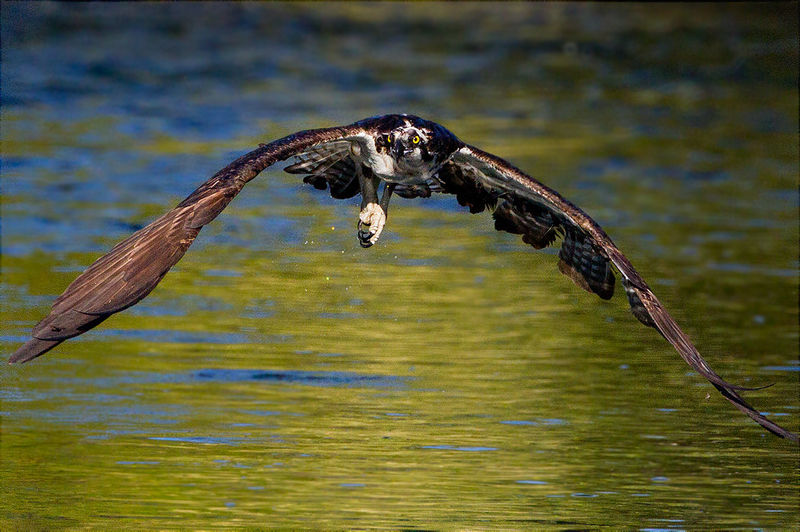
{"points": [[413, 158]]}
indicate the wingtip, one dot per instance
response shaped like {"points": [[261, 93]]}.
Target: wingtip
{"points": [[740, 388], [31, 349], [757, 416]]}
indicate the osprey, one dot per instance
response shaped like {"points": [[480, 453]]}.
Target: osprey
{"points": [[410, 157]]}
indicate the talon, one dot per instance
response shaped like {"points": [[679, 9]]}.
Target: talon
{"points": [[364, 237], [370, 224]]}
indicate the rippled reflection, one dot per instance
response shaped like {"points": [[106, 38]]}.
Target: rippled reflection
{"points": [[450, 377]]}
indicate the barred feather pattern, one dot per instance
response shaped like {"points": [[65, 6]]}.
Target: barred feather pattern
{"points": [[479, 188], [329, 166]]}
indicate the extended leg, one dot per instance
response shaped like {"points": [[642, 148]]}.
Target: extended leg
{"points": [[372, 218], [387, 194]]}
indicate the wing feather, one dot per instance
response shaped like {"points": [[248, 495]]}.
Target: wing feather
{"points": [[523, 205], [133, 268], [328, 165]]}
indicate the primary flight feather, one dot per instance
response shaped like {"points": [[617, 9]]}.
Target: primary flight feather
{"points": [[411, 157]]}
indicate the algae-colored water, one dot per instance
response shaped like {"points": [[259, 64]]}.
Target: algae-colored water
{"points": [[449, 377]]}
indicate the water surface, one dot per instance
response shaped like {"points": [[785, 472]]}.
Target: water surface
{"points": [[449, 377]]}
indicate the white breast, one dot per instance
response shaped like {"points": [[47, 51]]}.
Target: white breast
{"points": [[385, 167], [380, 163]]}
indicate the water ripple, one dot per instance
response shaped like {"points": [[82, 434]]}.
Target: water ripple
{"points": [[311, 378]]}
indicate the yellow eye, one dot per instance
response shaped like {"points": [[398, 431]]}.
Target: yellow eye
{"points": [[415, 140], [388, 139]]}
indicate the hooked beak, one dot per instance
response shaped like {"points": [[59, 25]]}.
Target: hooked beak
{"points": [[400, 149]]}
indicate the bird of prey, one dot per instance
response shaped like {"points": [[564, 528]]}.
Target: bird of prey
{"points": [[410, 157]]}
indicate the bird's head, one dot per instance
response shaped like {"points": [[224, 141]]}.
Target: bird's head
{"points": [[413, 142], [406, 148], [405, 144]]}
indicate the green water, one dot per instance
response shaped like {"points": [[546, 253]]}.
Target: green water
{"points": [[449, 377]]}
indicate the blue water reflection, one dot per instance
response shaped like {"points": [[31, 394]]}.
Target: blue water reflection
{"points": [[449, 377]]}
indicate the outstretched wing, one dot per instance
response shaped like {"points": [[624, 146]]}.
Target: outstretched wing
{"points": [[135, 266], [522, 205], [329, 165]]}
